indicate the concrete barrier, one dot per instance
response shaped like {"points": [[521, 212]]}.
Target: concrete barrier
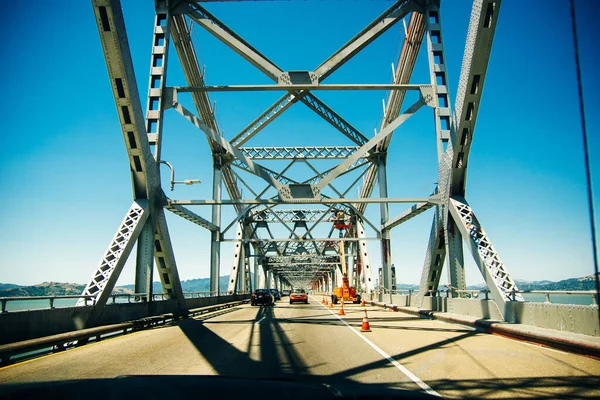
{"points": [[23, 325]]}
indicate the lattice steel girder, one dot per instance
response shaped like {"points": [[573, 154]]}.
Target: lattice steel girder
{"points": [[283, 153], [311, 266], [304, 259], [408, 214], [271, 215], [432, 199], [470, 86], [104, 278], [111, 26], [191, 216], [311, 245], [496, 276]]}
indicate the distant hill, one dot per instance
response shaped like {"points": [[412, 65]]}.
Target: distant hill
{"points": [[4, 286], [202, 285], [583, 283], [73, 289], [404, 286], [190, 285], [49, 289]]}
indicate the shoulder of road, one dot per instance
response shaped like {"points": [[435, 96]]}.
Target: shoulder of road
{"points": [[574, 342]]}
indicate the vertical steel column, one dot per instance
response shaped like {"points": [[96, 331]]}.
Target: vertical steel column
{"points": [[439, 241], [443, 126], [255, 282], [236, 262], [247, 274], [386, 251], [262, 283], [363, 254], [215, 236], [144, 266], [241, 271], [456, 265], [165, 260], [154, 117], [269, 275]]}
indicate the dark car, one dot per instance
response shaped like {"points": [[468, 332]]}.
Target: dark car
{"points": [[285, 292], [276, 294], [262, 297]]}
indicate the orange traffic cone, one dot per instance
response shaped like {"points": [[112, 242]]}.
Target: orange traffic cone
{"points": [[365, 325], [323, 301], [362, 303], [342, 312], [331, 305]]}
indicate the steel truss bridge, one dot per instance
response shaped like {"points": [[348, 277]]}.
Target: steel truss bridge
{"points": [[291, 229], [300, 206]]}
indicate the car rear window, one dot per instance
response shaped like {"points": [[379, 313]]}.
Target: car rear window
{"points": [[299, 291]]}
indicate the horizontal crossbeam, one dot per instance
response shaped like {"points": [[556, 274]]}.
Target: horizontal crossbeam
{"points": [[435, 200], [308, 153], [264, 88]]}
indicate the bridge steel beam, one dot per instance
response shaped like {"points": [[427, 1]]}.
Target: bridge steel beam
{"points": [[495, 273], [405, 66], [237, 261], [143, 166], [106, 275], [437, 247]]}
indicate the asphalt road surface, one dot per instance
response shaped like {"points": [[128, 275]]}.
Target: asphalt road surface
{"points": [[313, 343]]}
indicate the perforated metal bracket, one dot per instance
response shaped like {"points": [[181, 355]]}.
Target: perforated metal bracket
{"points": [[298, 78], [299, 192], [427, 95]]}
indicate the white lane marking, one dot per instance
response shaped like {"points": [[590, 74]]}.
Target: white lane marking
{"points": [[261, 320], [395, 363]]}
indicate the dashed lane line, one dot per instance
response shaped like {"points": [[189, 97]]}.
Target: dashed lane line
{"points": [[395, 363]]}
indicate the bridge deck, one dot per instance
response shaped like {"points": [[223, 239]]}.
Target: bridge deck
{"points": [[310, 343]]}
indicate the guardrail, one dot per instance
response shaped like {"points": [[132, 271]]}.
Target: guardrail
{"points": [[449, 292], [90, 300], [61, 341]]}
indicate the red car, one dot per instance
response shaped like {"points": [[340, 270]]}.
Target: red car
{"points": [[298, 295]]}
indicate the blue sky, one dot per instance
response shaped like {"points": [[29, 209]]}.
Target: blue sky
{"points": [[65, 176]]}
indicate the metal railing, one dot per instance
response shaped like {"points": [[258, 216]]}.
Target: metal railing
{"points": [[450, 292], [91, 300]]}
